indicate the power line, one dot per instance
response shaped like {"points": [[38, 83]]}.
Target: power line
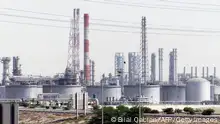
{"points": [[91, 19], [43, 13], [116, 31], [142, 5], [38, 18], [122, 26], [190, 3]]}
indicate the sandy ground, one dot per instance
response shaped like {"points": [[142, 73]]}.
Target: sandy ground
{"points": [[47, 118], [52, 118]]}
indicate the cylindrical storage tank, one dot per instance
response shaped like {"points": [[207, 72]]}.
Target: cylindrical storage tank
{"points": [[197, 90], [150, 91], [22, 91], [173, 93], [110, 92], [63, 90]]}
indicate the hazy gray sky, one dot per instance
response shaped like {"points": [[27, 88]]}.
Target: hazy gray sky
{"points": [[43, 50]]}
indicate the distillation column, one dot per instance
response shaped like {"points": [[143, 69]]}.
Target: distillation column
{"points": [[5, 74], [160, 64], [16, 67], [153, 67]]}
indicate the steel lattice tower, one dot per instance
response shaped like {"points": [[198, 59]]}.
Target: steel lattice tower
{"points": [[73, 62], [144, 53]]}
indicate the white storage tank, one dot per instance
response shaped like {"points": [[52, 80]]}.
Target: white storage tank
{"points": [[22, 91], [150, 91], [63, 90], [197, 90], [110, 92], [173, 93]]}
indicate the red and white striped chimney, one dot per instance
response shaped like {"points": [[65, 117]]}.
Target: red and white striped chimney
{"points": [[86, 50]]}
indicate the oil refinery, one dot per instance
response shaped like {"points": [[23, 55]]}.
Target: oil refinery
{"points": [[139, 83]]}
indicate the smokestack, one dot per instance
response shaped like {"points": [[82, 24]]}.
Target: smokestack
{"points": [[86, 50], [207, 72], [214, 72], [203, 72], [196, 72], [191, 72], [160, 64], [153, 67]]}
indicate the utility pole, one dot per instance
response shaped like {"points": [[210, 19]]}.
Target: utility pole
{"points": [[102, 103]]}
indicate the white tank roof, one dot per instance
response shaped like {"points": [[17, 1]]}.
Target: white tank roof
{"points": [[193, 80]]}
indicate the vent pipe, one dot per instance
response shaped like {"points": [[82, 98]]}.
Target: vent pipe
{"points": [[207, 72], [214, 72], [196, 72], [203, 72], [184, 71], [191, 72]]}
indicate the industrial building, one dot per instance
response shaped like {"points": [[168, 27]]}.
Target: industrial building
{"points": [[144, 81]]}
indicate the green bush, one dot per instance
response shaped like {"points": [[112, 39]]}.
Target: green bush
{"points": [[32, 106], [96, 107], [25, 105], [168, 111], [147, 110], [192, 112], [189, 110], [208, 111], [66, 108], [154, 111], [178, 111]]}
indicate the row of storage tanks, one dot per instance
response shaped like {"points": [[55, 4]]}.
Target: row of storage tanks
{"points": [[195, 90]]}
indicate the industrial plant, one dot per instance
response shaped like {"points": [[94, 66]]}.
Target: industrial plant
{"points": [[140, 82]]}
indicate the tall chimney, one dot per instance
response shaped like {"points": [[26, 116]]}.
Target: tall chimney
{"points": [[203, 72], [196, 72], [214, 72], [86, 50], [207, 72], [160, 64], [191, 72]]}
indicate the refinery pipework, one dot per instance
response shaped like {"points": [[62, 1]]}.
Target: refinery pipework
{"points": [[86, 50]]}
